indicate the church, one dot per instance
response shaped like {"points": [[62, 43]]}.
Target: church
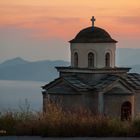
{"points": [[93, 81]]}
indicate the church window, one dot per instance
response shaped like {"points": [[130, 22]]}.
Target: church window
{"points": [[75, 59], [126, 110], [107, 60], [90, 60]]}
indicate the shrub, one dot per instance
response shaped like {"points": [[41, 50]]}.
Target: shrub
{"points": [[58, 123]]}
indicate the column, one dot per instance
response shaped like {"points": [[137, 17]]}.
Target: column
{"points": [[100, 103]]}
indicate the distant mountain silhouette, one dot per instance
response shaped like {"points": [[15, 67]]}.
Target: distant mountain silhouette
{"points": [[127, 56], [19, 69], [12, 62], [135, 69]]}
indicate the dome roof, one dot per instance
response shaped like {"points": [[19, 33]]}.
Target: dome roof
{"points": [[90, 35]]}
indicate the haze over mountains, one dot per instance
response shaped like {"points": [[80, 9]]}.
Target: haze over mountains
{"points": [[20, 69], [127, 56]]}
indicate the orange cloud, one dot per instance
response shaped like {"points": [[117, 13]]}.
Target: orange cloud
{"points": [[63, 19]]}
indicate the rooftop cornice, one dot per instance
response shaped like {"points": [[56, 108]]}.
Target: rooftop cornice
{"points": [[94, 70]]}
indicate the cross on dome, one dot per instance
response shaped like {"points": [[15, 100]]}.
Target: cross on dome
{"points": [[93, 20]]}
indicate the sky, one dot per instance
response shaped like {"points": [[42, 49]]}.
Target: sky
{"points": [[41, 29]]}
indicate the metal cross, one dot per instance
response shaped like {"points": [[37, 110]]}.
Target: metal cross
{"points": [[93, 19]]}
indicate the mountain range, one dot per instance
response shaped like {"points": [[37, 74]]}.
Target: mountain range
{"points": [[20, 69]]}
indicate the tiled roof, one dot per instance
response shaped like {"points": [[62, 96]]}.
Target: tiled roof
{"points": [[132, 79], [76, 82], [105, 82], [47, 85], [73, 81]]}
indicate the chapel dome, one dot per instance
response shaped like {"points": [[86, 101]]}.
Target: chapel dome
{"points": [[93, 35]]}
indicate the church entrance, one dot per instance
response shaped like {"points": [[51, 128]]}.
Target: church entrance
{"points": [[126, 110]]}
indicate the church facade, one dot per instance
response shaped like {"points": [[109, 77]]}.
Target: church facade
{"points": [[93, 81]]}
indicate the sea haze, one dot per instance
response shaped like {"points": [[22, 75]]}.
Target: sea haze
{"points": [[14, 93], [19, 69], [21, 80]]}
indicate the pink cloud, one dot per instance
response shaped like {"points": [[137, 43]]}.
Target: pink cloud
{"points": [[63, 22]]}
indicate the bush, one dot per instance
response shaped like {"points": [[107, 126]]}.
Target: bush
{"points": [[58, 123]]}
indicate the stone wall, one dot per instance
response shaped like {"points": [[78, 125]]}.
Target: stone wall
{"points": [[137, 104], [75, 102], [112, 104]]}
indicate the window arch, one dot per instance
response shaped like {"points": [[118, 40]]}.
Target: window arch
{"points": [[91, 60], [126, 111], [75, 59], [107, 59]]}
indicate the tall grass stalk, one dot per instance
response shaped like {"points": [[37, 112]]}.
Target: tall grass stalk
{"points": [[58, 123]]}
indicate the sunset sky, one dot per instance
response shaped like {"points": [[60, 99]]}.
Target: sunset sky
{"points": [[41, 29]]}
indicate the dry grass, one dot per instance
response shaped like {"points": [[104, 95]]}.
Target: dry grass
{"points": [[57, 123]]}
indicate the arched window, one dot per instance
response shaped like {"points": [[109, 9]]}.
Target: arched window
{"points": [[75, 59], [126, 111], [107, 60], [90, 60]]}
